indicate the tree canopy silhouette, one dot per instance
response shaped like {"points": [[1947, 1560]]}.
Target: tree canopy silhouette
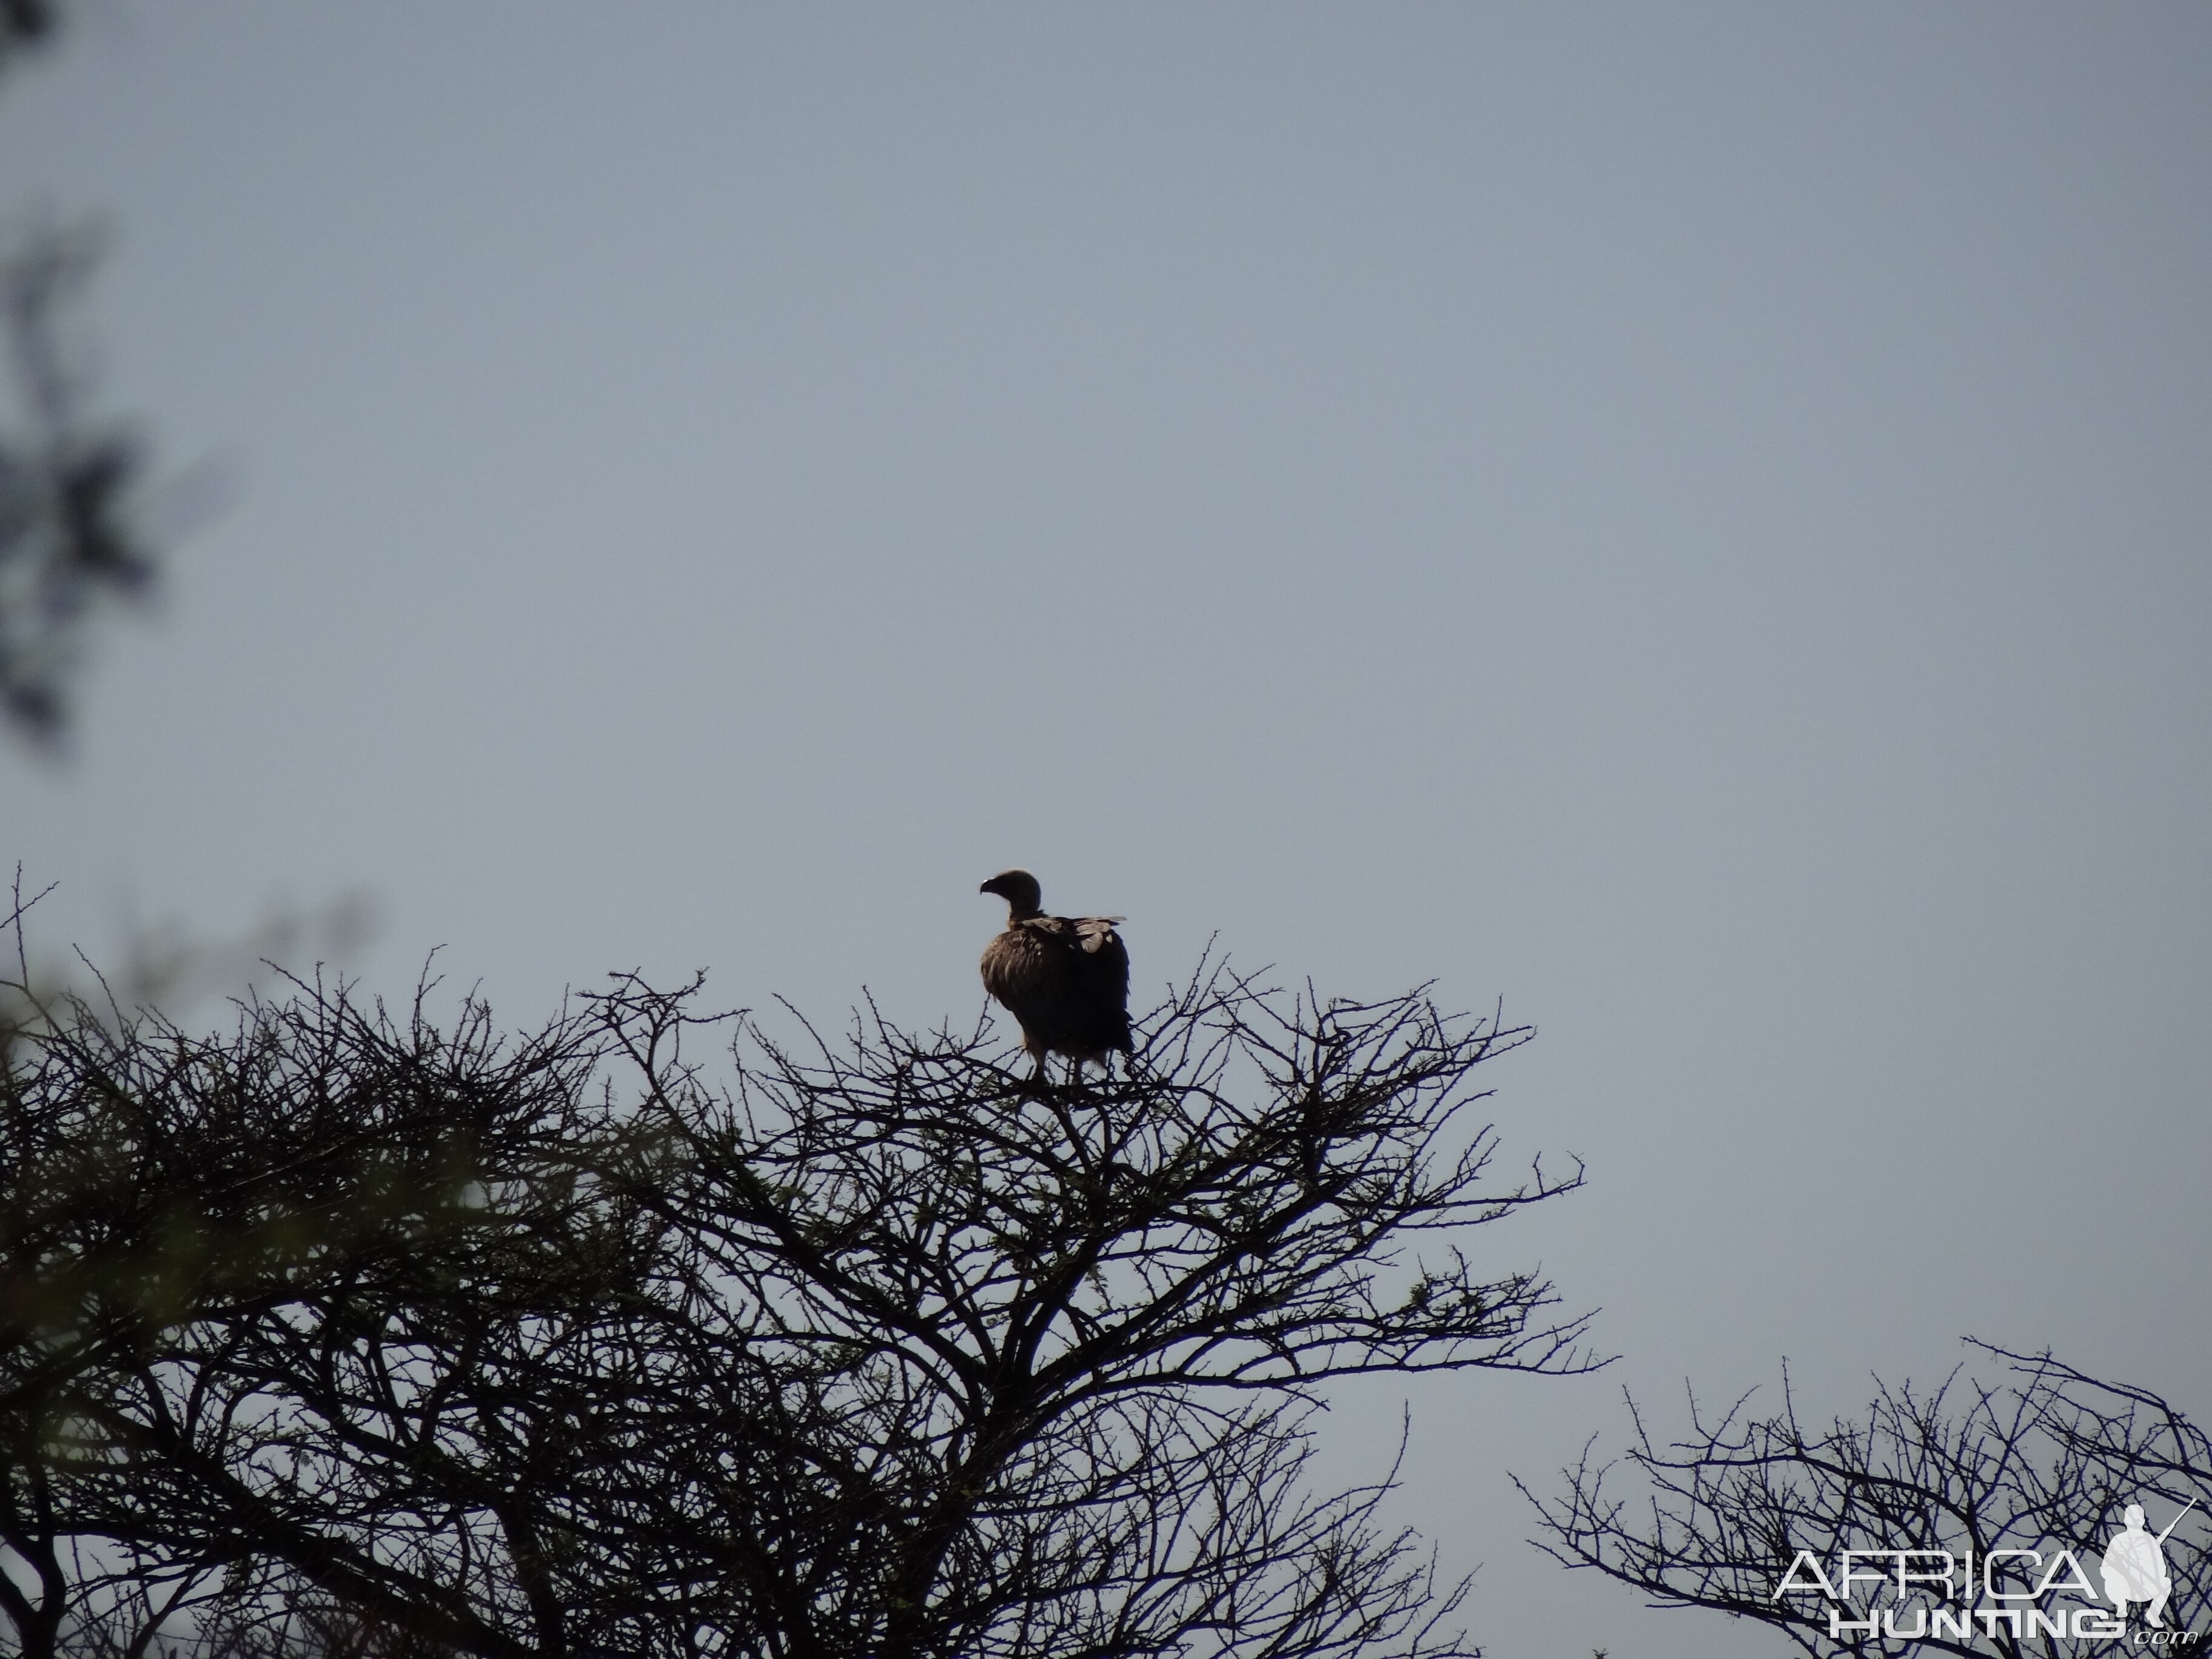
{"points": [[2011, 1472], [650, 1332]]}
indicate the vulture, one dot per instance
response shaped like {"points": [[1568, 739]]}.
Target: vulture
{"points": [[1065, 979]]}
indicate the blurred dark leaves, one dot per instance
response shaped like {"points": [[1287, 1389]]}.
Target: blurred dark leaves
{"points": [[71, 541], [24, 23], [71, 545]]}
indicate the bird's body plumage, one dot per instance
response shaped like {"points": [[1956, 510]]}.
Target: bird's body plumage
{"points": [[1065, 979]]}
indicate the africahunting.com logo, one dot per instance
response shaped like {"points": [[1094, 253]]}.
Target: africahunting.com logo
{"points": [[1937, 1595]]}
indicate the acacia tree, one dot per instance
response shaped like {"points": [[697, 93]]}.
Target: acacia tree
{"points": [[163, 1195], [2045, 1460], [573, 1343]]}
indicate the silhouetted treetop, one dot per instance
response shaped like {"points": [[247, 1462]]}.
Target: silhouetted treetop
{"points": [[1984, 1482], [625, 1337]]}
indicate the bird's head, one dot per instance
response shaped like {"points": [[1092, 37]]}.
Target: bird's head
{"points": [[1023, 897]]}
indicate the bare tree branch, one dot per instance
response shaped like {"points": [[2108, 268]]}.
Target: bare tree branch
{"points": [[345, 1333], [2045, 1460]]}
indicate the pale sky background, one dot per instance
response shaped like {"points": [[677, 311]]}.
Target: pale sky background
{"points": [[1691, 518]]}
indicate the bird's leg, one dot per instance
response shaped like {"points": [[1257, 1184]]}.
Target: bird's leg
{"points": [[1030, 1087]]}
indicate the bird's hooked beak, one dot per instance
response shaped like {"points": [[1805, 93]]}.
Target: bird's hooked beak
{"points": [[1019, 890]]}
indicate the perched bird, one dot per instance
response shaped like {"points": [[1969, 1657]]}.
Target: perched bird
{"points": [[1065, 978]]}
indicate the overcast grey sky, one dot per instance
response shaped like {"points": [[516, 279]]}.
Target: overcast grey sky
{"points": [[1691, 518]]}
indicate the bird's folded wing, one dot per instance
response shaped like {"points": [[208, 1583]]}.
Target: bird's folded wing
{"points": [[1094, 933]]}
